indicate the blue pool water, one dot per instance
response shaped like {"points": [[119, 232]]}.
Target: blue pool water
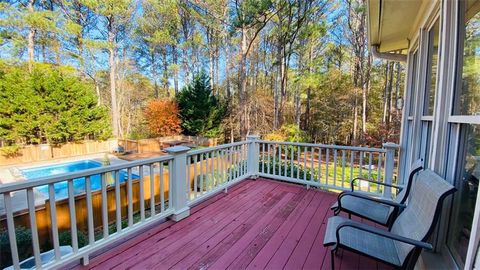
{"points": [[61, 188]]}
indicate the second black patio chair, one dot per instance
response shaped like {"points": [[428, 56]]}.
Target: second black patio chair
{"points": [[401, 246], [379, 210]]}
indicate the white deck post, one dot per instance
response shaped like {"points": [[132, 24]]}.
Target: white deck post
{"points": [[178, 182], [389, 166], [252, 161]]}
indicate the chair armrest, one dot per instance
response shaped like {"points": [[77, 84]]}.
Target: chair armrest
{"points": [[383, 233], [366, 197], [372, 181]]}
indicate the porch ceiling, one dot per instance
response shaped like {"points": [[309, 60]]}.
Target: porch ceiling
{"points": [[390, 23]]}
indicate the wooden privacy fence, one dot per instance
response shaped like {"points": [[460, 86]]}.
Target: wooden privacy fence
{"points": [[42, 152], [157, 144], [45, 152]]}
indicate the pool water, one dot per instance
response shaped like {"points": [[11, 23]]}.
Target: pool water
{"points": [[61, 188]]}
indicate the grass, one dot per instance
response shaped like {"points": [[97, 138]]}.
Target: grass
{"points": [[331, 174]]}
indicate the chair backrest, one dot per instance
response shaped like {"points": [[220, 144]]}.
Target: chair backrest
{"points": [[418, 220], [403, 195]]}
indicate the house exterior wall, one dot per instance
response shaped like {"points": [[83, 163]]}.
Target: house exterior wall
{"points": [[443, 149]]}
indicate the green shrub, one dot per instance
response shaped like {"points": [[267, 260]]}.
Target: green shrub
{"points": [[285, 168], [24, 245], [65, 238], [10, 151], [49, 104]]}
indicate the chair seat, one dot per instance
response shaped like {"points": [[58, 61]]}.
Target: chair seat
{"points": [[369, 209], [364, 242]]}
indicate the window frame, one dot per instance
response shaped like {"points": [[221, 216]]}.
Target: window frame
{"points": [[455, 125]]}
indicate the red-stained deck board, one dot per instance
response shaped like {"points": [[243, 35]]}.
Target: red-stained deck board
{"points": [[216, 246], [138, 240], [264, 255], [299, 255], [256, 225], [175, 241], [282, 254], [255, 238], [252, 212], [136, 250]]}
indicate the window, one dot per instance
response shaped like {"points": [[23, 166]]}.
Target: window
{"points": [[407, 136], [466, 104], [428, 98], [413, 84], [465, 198], [468, 88], [432, 65]]}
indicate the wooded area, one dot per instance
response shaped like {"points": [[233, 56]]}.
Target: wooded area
{"points": [[289, 69]]}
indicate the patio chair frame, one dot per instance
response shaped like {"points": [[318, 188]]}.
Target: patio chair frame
{"points": [[398, 206], [413, 255]]}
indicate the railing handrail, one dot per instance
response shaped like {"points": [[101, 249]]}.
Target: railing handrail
{"points": [[330, 146], [10, 187]]}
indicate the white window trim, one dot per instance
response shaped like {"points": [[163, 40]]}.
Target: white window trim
{"points": [[450, 159], [474, 243], [464, 119]]}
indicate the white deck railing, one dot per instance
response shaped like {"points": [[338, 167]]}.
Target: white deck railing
{"points": [[214, 169], [327, 166], [184, 179]]}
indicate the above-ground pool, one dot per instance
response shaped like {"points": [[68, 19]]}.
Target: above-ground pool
{"points": [[61, 188]]}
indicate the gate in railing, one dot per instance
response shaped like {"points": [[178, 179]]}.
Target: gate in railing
{"points": [[112, 203]]}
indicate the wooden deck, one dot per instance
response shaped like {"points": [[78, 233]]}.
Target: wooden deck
{"points": [[262, 224]]}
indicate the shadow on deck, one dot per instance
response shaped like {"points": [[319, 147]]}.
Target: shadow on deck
{"points": [[262, 224]]}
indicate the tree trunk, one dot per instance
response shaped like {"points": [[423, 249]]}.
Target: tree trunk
{"points": [[366, 87], [355, 118], [389, 96], [216, 69], [243, 85], [153, 70], [97, 91], [31, 39], [227, 52], [113, 94], [186, 66], [385, 100], [278, 90], [175, 74], [283, 88], [166, 85], [210, 69], [397, 87], [227, 71]]}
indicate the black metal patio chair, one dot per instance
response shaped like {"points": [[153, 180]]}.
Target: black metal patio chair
{"points": [[401, 246], [379, 210]]}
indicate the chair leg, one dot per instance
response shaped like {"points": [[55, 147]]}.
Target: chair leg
{"points": [[332, 259]]}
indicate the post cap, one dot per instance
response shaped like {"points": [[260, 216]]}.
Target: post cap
{"points": [[253, 137], [178, 149], [390, 145]]}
